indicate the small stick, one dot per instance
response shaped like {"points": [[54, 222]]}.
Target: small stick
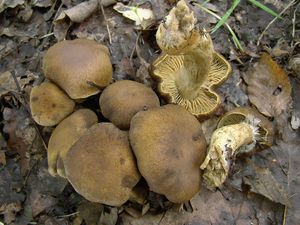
{"points": [[107, 27], [267, 27]]}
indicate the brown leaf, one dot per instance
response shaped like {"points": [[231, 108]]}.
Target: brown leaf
{"points": [[9, 211], [10, 4], [269, 88], [211, 208], [40, 202], [76, 14], [288, 154], [263, 183]]}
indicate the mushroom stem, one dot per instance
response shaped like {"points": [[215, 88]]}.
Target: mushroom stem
{"points": [[199, 57], [225, 144]]}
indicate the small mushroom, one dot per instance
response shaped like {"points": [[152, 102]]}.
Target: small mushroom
{"points": [[101, 166], [80, 67], [49, 105], [120, 101], [239, 132], [189, 68], [65, 135], [169, 146]]}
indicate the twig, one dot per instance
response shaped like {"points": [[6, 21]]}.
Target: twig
{"points": [[106, 23], [69, 215], [134, 48], [294, 23], [273, 20], [16, 81]]}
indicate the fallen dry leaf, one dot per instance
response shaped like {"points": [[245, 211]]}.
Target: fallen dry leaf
{"points": [[10, 211], [262, 182], [212, 208], [4, 4], [142, 17], [269, 88], [288, 154]]}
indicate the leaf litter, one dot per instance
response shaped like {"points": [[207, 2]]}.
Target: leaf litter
{"points": [[30, 195]]}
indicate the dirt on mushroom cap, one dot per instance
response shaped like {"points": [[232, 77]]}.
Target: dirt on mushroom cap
{"points": [[49, 105], [120, 101], [101, 166], [79, 67], [169, 145]]}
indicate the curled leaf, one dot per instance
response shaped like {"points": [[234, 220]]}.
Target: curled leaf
{"points": [[142, 17], [269, 88]]}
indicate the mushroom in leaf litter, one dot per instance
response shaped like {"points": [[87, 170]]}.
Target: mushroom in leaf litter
{"points": [[120, 101], [65, 135], [80, 67], [101, 166], [189, 68], [238, 132], [169, 146], [49, 105]]}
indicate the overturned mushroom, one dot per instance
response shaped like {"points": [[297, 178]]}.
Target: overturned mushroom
{"points": [[80, 67], [188, 68], [239, 131], [49, 105], [120, 101], [169, 146], [65, 135], [101, 166]]}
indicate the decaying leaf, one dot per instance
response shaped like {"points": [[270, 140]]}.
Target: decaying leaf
{"points": [[76, 14], [263, 183], [4, 4], [288, 154], [142, 17], [269, 88], [7, 83], [9, 211], [211, 208], [90, 212]]}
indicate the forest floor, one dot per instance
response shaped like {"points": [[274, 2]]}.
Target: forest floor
{"points": [[262, 189]]}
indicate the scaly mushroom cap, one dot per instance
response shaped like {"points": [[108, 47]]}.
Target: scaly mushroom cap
{"points": [[168, 68], [101, 166], [49, 105], [241, 114], [169, 146], [120, 101], [65, 135], [80, 67], [189, 68]]}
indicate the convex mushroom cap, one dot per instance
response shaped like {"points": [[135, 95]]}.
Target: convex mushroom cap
{"points": [[239, 131], [169, 146], [65, 135], [120, 101], [49, 105], [189, 69], [80, 67], [101, 166]]}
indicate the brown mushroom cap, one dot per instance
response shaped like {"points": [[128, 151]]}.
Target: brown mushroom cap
{"points": [[49, 105], [120, 101], [169, 145], [65, 135], [79, 67], [241, 114], [101, 166]]}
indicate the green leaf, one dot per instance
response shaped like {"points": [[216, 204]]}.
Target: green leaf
{"points": [[234, 37], [265, 8], [226, 15]]}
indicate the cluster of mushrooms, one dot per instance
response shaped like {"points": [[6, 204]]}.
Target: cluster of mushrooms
{"points": [[165, 145]]}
